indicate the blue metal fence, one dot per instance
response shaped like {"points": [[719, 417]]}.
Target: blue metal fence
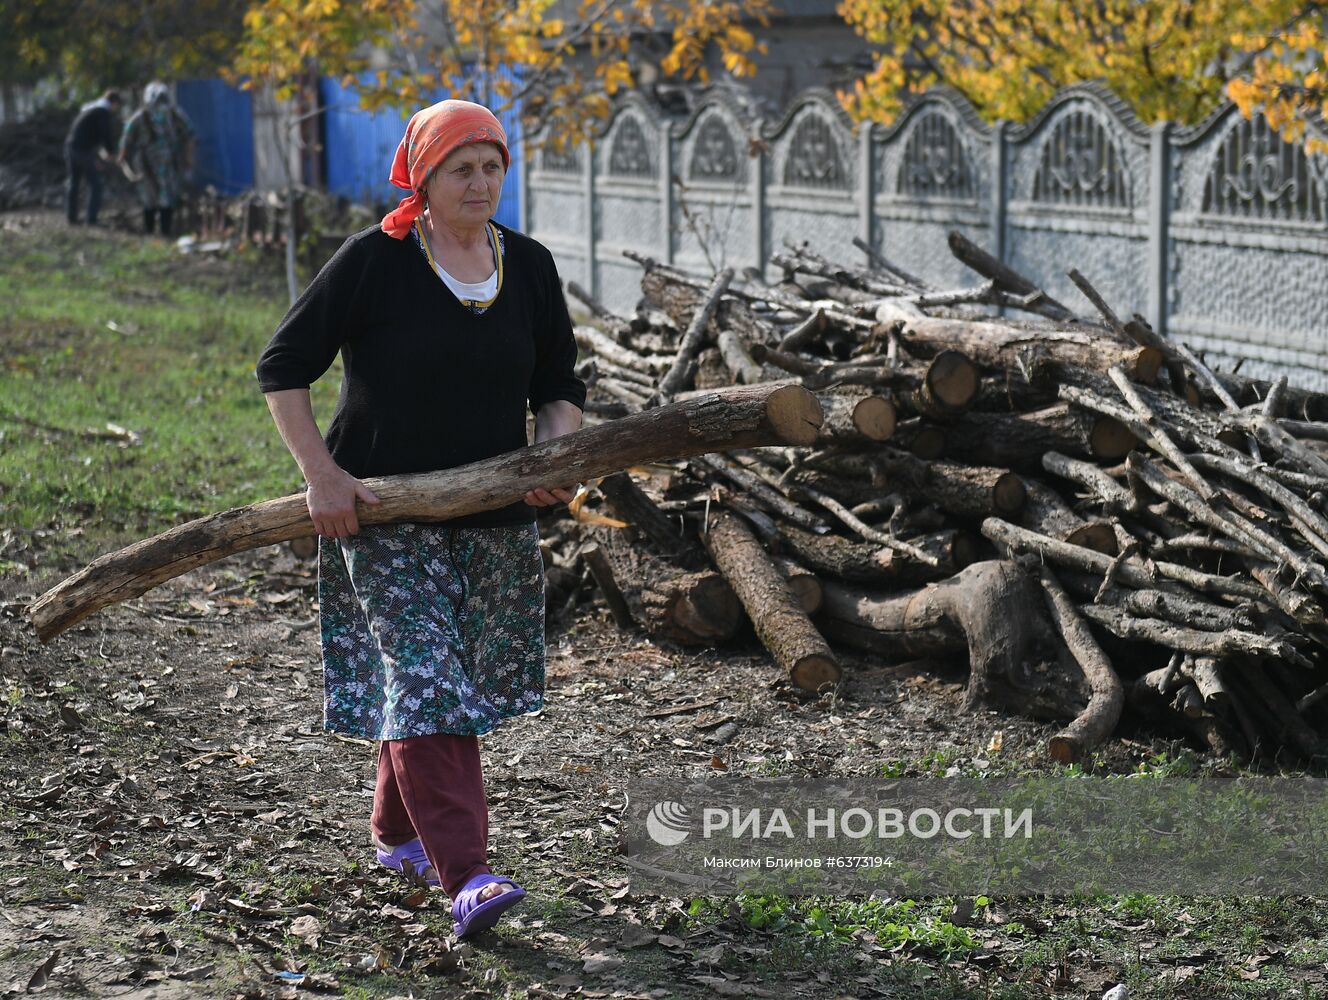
{"points": [[223, 121]]}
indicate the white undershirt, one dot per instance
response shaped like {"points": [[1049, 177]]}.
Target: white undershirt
{"points": [[474, 291]]}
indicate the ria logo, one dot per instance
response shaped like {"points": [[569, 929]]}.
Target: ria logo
{"points": [[667, 823]]}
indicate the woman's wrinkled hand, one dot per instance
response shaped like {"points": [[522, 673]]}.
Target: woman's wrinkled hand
{"points": [[540, 497], [331, 500]]}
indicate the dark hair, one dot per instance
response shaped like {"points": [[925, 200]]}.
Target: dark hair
{"points": [[112, 96]]}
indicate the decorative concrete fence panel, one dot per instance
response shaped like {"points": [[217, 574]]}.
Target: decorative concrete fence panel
{"points": [[715, 189], [931, 173], [811, 178], [630, 211], [1079, 197], [1217, 234], [557, 203], [1248, 262]]}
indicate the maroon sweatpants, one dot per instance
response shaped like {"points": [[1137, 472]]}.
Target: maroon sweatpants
{"points": [[431, 787]]}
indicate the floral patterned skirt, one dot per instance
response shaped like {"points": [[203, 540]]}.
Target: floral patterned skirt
{"points": [[428, 629]]}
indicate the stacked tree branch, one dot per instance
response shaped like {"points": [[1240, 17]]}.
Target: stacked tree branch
{"points": [[1082, 509]]}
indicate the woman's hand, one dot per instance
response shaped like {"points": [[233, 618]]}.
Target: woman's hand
{"points": [[540, 497], [554, 420], [331, 499]]}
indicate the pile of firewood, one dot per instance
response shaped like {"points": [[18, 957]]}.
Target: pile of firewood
{"points": [[1082, 509]]}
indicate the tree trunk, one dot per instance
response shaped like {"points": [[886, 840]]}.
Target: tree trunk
{"points": [[782, 626], [991, 609], [741, 417]]}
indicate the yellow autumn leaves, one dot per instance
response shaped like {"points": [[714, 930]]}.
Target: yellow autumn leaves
{"points": [[1172, 60], [565, 70]]}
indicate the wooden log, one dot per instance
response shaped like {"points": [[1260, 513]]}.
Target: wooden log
{"points": [[740, 417], [1000, 345], [590, 339], [970, 491], [630, 503], [803, 583], [856, 417], [782, 626], [1130, 572], [761, 492], [1262, 543], [1019, 441], [837, 557], [1006, 277], [947, 390], [739, 363], [804, 334], [990, 609], [1292, 729], [608, 585], [1098, 719], [884, 264], [1158, 432], [697, 330], [1114, 497], [691, 609], [920, 439], [1206, 673], [1171, 636], [1045, 513]]}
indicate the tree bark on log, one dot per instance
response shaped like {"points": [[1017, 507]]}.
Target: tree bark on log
{"points": [[970, 491], [999, 345], [1046, 513], [1098, 719], [590, 339], [990, 609], [608, 585], [782, 626], [969, 253], [1019, 441], [689, 608], [741, 417], [948, 389], [836, 557], [675, 379], [631, 504], [856, 417]]}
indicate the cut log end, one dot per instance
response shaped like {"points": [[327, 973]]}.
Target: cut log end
{"points": [[875, 418], [1065, 749], [794, 413], [953, 380], [1109, 440], [1146, 364], [1008, 494], [813, 673], [1096, 535]]}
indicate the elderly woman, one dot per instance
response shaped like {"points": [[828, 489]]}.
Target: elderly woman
{"points": [[158, 147], [448, 326]]}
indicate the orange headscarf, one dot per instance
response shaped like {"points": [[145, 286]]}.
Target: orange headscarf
{"points": [[431, 134]]}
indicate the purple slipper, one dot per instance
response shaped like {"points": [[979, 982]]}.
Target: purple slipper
{"points": [[412, 853], [473, 916]]}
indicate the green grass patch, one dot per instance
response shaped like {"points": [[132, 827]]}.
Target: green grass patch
{"points": [[104, 329]]}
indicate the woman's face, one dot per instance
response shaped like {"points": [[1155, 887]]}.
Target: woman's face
{"points": [[463, 191]]}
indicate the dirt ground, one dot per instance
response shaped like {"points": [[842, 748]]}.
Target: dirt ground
{"points": [[181, 827]]}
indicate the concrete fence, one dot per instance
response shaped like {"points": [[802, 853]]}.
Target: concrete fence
{"points": [[1218, 232]]}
